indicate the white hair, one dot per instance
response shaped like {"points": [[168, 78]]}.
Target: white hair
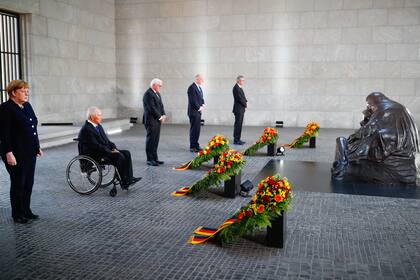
{"points": [[91, 111], [155, 81], [197, 76]]}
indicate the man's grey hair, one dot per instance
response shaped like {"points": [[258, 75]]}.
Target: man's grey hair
{"points": [[240, 77], [198, 76], [155, 81], [91, 111]]}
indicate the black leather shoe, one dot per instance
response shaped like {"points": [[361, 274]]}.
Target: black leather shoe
{"points": [[20, 220], [238, 142], [124, 186], [194, 150], [32, 216], [160, 162], [134, 180], [152, 163]]}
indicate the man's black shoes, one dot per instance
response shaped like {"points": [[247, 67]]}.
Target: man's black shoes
{"points": [[20, 220], [195, 150], [134, 180], [160, 162], [152, 163], [32, 216], [239, 142]]}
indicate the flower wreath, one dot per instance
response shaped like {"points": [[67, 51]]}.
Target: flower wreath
{"points": [[217, 145], [269, 136], [230, 164], [311, 130], [273, 196]]}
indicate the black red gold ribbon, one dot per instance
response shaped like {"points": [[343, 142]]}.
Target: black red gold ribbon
{"points": [[202, 234], [185, 166]]}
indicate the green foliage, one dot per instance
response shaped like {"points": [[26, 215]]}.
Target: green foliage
{"points": [[200, 159], [258, 145], [214, 178], [250, 224]]}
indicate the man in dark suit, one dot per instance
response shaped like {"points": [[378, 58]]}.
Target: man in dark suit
{"points": [[154, 116], [195, 109], [239, 105], [19, 148], [95, 143]]}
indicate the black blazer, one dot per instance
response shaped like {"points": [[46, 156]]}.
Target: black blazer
{"points": [[195, 99], [18, 130], [94, 143], [239, 104], [153, 107]]}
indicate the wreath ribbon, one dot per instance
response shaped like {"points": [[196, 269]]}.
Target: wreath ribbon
{"points": [[203, 234]]}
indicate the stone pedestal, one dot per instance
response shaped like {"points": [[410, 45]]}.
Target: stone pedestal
{"points": [[276, 234], [271, 150], [232, 186], [312, 142]]}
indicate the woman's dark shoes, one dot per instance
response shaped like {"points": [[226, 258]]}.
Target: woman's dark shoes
{"points": [[32, 216], [20, 220]]}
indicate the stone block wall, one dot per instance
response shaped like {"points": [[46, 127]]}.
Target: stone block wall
{"points": [[70, 56], [303, 59]]}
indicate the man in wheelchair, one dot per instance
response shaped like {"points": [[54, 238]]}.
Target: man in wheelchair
{"points": [[94, 142]]}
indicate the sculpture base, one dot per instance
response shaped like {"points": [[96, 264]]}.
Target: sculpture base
{"points": [[276, 234], [232, 186], [271, 150]]}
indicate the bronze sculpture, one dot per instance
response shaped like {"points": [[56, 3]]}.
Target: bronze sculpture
{"points": [[385, 147]]}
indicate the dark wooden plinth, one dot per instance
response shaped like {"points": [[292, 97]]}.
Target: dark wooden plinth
{"points": [[271, 150], [215, 160], [276, 234], [312, 142], [232, 186]]}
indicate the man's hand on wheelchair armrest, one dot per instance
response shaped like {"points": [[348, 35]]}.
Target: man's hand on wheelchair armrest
{"points": [[114, 151]]}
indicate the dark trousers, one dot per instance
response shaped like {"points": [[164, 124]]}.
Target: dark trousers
{"points": [[152, 141], [237, 130], [195, 126], [21, 183], [122, 161]]}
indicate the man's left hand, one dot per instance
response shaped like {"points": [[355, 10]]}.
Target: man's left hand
{"points": [[40, 153]]}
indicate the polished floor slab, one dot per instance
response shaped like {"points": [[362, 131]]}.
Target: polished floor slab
{"points": [[316, 177]]}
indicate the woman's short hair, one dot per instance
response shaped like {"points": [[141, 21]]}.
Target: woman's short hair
{"points": [[16, 84]]}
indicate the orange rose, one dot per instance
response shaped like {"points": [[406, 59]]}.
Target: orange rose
{"points": [[241, 216], [261, 208], [278, 198]]}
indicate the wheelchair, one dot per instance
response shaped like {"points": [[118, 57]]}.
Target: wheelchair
{"points": [[86, 175]]}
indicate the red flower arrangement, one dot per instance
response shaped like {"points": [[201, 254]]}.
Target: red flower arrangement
{"points": [[273, 196], [311, 130], [217, 145], [269, 136], [230, 163]]}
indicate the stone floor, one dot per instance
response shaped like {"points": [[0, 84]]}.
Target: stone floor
{"points": [[143, 233]]}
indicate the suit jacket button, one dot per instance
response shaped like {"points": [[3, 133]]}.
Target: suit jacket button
{"points": [[34, 133]]}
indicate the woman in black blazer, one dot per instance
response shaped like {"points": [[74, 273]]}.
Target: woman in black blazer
{"points": [[19, 148]]}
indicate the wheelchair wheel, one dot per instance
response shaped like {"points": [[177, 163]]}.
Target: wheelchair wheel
{"points": [[108, 175], [84, 175]]}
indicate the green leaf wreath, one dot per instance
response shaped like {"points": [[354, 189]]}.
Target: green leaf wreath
{"points": [[230, 164], [311, 130], [217, 145], [274, 195], [270, 136]]}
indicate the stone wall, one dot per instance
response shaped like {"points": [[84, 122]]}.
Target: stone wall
{"points": [[303, 59], [70, 56]]}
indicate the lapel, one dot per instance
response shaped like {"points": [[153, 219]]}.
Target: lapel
{"points": [[97, 133]]}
